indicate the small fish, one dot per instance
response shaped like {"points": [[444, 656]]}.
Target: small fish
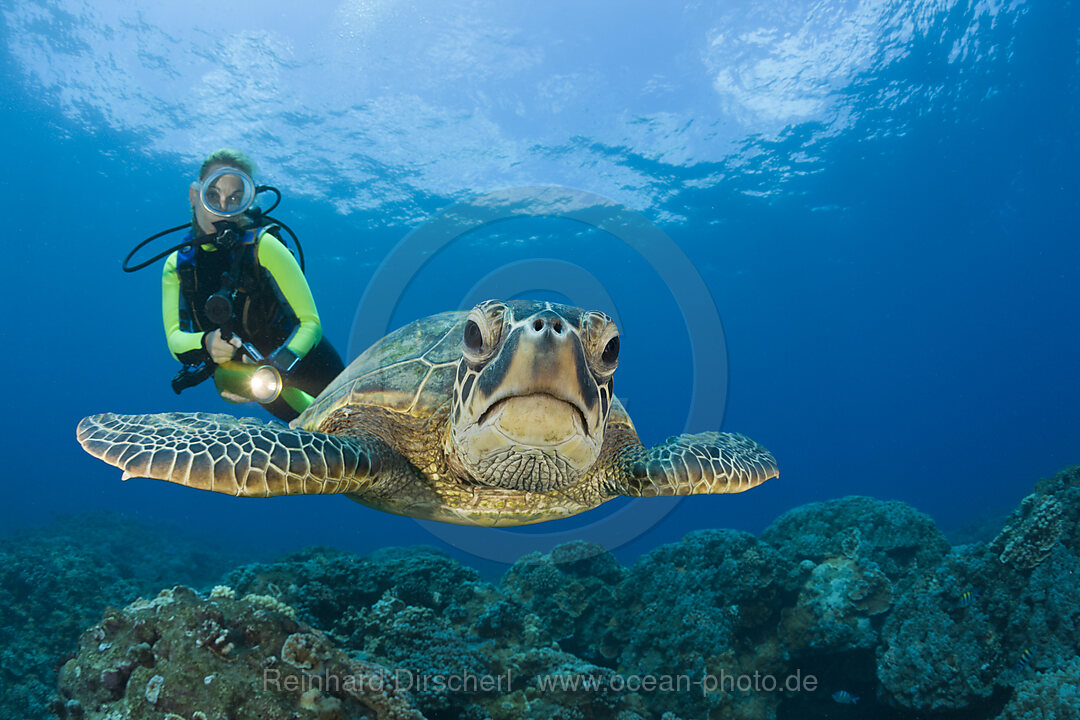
{"points": [[1025, 658], [844, 697], [969, 597]]}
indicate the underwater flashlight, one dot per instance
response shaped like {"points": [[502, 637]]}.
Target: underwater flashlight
{"points": [[265, 384]]}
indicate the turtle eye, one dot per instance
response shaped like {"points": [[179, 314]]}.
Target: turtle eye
{"points": [[474, 339], [602, 340], [611, 351], [482, 332]]}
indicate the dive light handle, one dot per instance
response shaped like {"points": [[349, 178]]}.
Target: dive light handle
{"points": [[249, 350], [192, 375]]}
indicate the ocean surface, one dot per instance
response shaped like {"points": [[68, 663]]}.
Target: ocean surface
{"points": [[879, 198]]}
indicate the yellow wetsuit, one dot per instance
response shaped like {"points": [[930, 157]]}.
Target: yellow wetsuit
{"points": [[277, 311]]}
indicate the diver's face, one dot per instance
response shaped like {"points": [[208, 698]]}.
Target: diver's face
{"points": [[219, 193]]}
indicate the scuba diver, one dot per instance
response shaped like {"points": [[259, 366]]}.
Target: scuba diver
{"points": [[234, 300]]}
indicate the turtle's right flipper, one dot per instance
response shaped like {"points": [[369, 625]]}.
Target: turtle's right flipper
{"points": [[242, 457]]}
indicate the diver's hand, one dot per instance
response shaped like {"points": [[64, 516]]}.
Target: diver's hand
{"points": [[218, 348]]}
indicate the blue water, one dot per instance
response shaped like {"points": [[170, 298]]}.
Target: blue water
{"points": [[881, 198]]}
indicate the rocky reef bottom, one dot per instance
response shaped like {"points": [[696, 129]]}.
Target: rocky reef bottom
{"points": [[854, 607]]}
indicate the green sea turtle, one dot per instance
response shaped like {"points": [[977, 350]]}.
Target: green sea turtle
{"points": [[502, 415]]}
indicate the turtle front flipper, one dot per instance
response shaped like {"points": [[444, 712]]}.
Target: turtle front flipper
{"points": [[243, 457], [698, 464]]}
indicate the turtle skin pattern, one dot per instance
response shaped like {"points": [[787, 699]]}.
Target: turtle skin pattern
{"points": [[707, 462], [243, 457]]}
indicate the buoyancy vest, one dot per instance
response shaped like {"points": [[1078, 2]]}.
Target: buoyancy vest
{"points": [[260, 314]]}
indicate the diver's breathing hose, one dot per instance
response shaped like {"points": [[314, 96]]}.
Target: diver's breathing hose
{"points": [[154, 259], [260, 218], [296, 240]]}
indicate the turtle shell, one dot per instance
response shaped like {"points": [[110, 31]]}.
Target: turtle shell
{"points": [[410, 371]]}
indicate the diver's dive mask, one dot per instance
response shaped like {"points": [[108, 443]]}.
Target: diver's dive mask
{"points": [[227, 192]]}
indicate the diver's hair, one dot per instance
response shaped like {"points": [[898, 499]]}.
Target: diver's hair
{"points": [[229, 158], [224, 157]]}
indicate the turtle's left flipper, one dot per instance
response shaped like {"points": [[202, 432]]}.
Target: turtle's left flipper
{"points": [[702, 463], [244, 457]]}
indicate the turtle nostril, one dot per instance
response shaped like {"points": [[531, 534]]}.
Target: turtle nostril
{"points": [[557, 326], [538, 324]]}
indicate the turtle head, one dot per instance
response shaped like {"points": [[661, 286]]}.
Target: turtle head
{"points": [[532, 394]]}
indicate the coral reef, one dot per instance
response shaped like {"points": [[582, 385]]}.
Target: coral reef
{"points": [[1052, 695], [1028, 539], [931, 661], [571, 591], [699, 609], [323, 584], [897, 538], [415, 639], [835, 605], [183, 656], [424, 614], [55, 581], [990, 616], [853, 597]]}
